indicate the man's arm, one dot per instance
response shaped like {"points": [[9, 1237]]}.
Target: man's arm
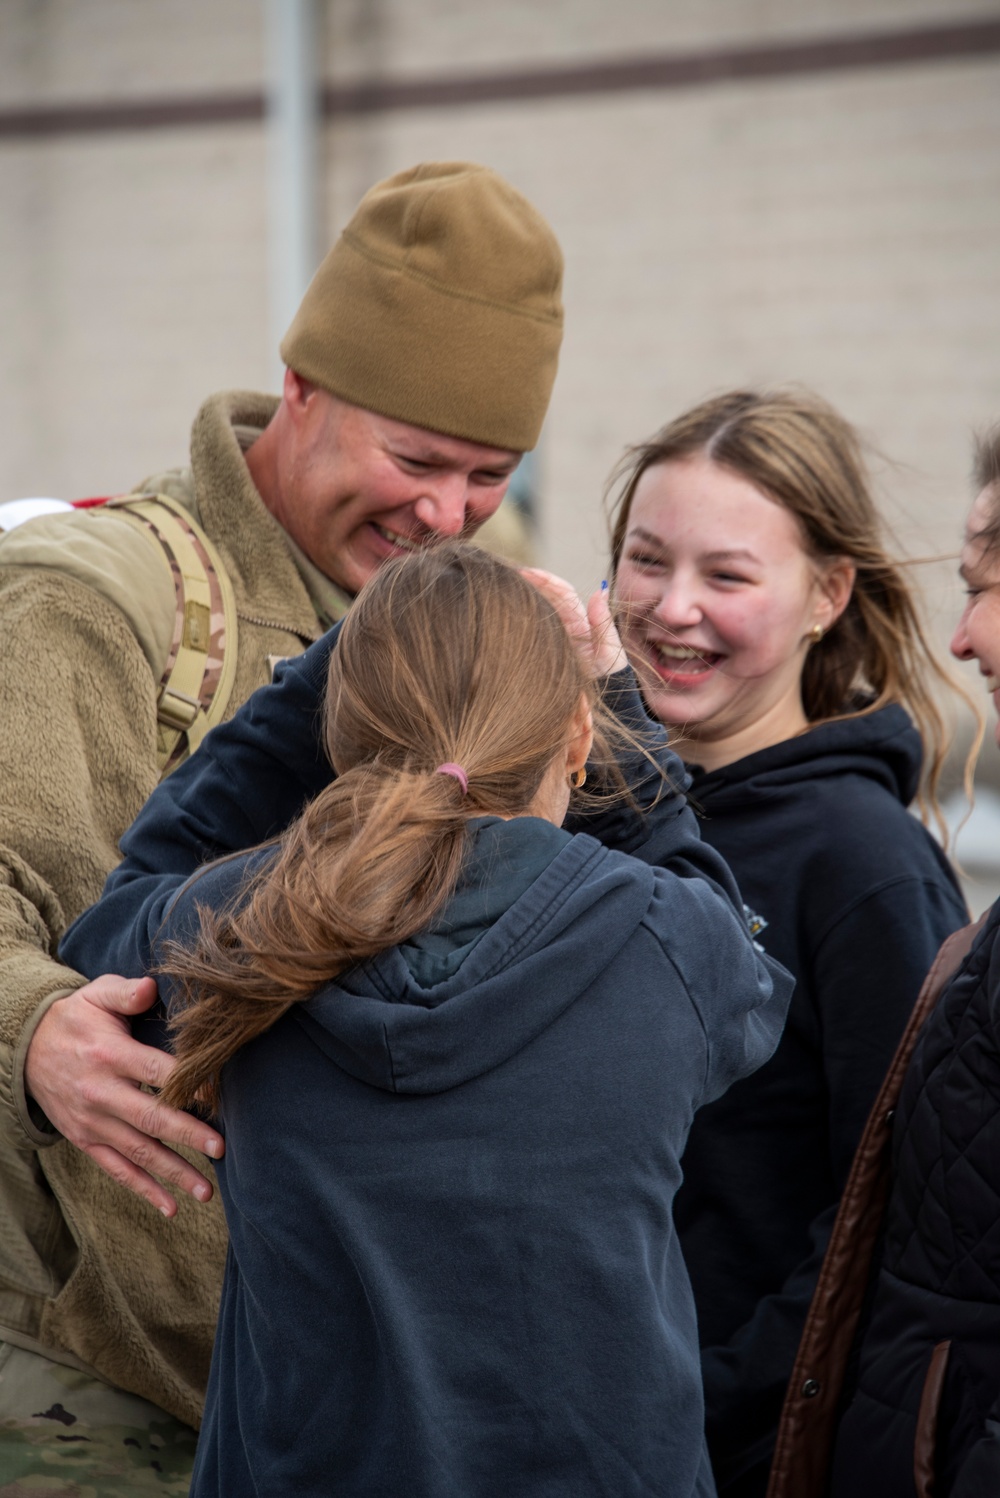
{"points": [[249, 779], [78, 756]]}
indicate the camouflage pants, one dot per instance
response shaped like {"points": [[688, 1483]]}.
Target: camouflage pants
{"points": [[64, 1434]]}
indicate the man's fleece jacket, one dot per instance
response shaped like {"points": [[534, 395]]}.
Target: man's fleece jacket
{"points": [[89, 1274]]}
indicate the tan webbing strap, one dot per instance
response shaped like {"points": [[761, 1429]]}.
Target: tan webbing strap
{"points": [[198, 677]]}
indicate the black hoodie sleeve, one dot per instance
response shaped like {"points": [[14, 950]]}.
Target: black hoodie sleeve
{"points": [[253, 775], [660, 829], [249, 779]]}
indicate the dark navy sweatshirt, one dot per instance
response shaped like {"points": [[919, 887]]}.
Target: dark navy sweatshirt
{"points": [[853, 896], [448, 1181], [604, 1076]]}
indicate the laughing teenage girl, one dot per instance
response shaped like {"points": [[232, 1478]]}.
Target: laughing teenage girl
{"points": [[456, 1051], [775, 637]]}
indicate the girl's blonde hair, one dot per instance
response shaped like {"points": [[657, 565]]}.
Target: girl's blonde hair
{"points": [[448, 655], [801, 453]]}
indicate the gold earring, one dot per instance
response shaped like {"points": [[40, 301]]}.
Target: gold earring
{"points": [[578, 779], [816, 633]]}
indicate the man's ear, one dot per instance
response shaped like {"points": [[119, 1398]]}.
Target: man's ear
{"points": [[296, 392]]}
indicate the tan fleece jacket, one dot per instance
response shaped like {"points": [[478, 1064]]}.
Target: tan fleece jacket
{"points": [[89, 1274]]}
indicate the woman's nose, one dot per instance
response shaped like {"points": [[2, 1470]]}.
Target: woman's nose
{"points": [[678, 606], [960, 646]]}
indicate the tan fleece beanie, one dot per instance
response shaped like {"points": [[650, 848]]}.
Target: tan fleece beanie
{"points": [[439, 305]]}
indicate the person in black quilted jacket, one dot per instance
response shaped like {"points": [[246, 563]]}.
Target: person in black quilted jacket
{"points": [[923, 1416]]}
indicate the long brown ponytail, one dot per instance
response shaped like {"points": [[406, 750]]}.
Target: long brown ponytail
{"points": [[447, 655]]}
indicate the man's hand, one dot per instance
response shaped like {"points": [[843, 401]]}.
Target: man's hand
{"points": [[83, 1069]]}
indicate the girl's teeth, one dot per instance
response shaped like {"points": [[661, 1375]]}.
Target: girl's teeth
{"points": [[678, 653], [993, 683]]}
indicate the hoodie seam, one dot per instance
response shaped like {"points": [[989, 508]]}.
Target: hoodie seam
{"points": [[543, 918], [388, 1057], [515, 947], [707, 1071], [870, 894], [870, 759]]}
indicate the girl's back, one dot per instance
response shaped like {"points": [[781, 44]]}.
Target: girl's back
{"points": [[449, 1180], [456, 1053]]}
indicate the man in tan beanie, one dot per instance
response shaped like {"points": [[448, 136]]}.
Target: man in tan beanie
{"points": [[419, 368]]}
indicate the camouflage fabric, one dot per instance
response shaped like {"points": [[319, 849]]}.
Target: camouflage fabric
{"points": [[64, 1434], [211, 639]]}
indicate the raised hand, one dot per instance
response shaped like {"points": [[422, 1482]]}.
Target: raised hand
{"points": [[591, 629]]}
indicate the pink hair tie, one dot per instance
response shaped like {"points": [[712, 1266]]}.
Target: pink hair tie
{"points": [[458, 773]]}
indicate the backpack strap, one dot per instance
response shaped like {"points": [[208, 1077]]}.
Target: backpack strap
{"points": [[197, 680]]}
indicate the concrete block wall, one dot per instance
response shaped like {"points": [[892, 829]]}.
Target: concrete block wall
{"points": [[840, 230]]}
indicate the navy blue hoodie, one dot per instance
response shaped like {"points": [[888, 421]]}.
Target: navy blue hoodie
{"points": [[853, 896], [449, 1179], [586, 1305]]}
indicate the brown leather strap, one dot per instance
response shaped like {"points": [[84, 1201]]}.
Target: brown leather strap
{"points": [[808, 1421], [926, 1437]]}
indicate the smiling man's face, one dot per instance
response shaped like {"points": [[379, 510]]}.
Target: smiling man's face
{"points": [[357, 488]]}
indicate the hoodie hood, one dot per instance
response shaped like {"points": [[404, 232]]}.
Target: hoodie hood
{"points": [[882, 746], [412, 1021]]}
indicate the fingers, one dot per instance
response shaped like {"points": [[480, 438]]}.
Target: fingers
{"points": [[129, 1136], [142, 1127], [564, 599], [126, 1174], [119, 995], [592, 630], [609, 653], [86, 1072], [135, 1158], [126, 1171]]}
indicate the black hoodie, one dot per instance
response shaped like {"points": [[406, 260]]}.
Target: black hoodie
{"points": [[851, 894]]}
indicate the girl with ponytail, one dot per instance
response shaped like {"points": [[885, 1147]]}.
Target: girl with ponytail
{"points": [[455, 1050]]}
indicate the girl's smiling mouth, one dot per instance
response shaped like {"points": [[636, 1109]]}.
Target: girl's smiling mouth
{"points": [[692, 665]]}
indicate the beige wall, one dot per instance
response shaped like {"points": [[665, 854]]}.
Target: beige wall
{"points": [[840, 230]]}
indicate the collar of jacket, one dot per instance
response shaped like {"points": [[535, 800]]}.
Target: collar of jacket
{"points": [[253, 545], [330, 602]]}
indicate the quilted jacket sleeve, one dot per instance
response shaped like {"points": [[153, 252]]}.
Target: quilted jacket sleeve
{"points": [[980, 1472]]}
